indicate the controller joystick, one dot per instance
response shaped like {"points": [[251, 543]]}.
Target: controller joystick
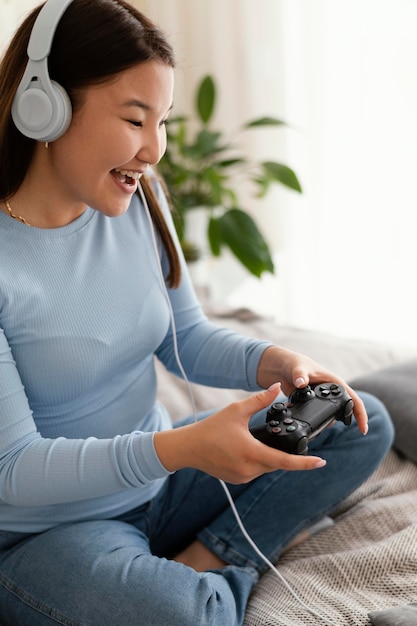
{"points": [[302, 395], [291, 425]]}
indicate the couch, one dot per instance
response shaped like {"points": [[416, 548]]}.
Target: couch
{"points": [[362, 568]]}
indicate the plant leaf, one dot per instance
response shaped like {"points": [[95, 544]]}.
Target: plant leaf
{"points": [[233, 161], [265, 121], [206, 99], [282, 174], [214, 236], [239, 232], [206, 143]]}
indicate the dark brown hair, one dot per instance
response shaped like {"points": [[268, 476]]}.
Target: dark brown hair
{"points": [[94, 41]]}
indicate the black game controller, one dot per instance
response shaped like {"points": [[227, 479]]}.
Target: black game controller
{"points": [[290, 426]]}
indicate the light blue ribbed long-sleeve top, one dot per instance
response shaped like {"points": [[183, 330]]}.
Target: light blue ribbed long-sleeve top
{"points": [[82, 316]]}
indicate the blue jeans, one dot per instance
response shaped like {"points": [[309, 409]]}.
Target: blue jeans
{"points": [[118, 573]]}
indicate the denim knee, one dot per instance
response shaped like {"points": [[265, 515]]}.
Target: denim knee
{"points": [[231, 590], [216, 597]]}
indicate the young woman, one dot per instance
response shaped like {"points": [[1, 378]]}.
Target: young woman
{"points": [[108, 514]]}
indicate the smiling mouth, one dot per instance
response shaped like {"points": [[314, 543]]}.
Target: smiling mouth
{"points": [[126, 177]]}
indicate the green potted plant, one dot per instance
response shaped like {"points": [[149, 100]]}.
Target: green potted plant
{"points": [[203, 167]]}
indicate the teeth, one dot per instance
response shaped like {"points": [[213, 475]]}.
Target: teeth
{"points": [[129, 173]]}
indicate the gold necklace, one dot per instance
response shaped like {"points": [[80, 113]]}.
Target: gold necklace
{"points": [[15, 217]]}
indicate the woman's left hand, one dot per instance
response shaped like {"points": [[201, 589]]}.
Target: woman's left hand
{"points": [[294, 370]]}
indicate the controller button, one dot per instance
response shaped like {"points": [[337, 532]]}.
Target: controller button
{"points": [[335, 389], [273, 423], [291, 429], [324, 391], [276, 430], [288, 420]]}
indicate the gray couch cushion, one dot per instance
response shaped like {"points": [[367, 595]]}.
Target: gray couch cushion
{"points": [[405, 615], [396, 386]]}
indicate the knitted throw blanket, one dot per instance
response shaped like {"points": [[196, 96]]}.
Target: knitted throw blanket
{"points": [[366, 561]]}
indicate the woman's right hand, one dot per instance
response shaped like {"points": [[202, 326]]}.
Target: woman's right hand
{"points": [[222, 446]]}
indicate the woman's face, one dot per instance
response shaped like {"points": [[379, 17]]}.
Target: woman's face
{"points": [[117, 132]]}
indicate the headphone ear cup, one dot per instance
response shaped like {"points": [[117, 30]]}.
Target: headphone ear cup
{"points": [[42, 115]]}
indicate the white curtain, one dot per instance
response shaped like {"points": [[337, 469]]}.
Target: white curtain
{"points": [[343, 75]]}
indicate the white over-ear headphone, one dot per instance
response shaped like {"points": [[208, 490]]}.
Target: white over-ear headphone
{"points": [[41, 108]]}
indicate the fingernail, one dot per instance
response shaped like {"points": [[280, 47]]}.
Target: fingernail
{"points": [[300, 382], [274, 387], [365, 431], [320, 463]]}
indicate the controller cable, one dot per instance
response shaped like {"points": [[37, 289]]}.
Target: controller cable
{"points": [[248, 538]]}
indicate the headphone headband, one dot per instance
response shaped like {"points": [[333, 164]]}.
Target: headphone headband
{"points": [[43, 31], [41, 108]]}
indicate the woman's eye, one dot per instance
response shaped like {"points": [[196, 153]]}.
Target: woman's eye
{"points": [[140, 124]]}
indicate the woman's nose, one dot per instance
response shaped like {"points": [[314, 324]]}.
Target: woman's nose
{"points": [[153, 146]]}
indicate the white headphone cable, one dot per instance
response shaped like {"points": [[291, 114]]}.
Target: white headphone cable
{"points": [[168, 301], [194, 413]]}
